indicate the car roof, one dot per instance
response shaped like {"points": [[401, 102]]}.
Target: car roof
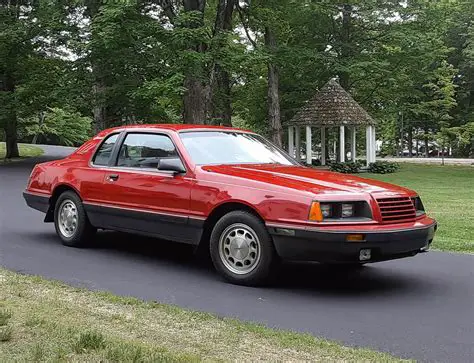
{"points": [[172, 127]]}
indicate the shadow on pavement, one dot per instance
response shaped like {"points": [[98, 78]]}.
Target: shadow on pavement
{"points": [[303, 278]]}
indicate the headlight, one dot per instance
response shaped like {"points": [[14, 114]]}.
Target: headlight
{"points": [[339, 211], [326, 210], [347, 210], [419, 207]]}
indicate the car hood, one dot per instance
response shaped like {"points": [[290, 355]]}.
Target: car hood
{"points": [[308, 179]]}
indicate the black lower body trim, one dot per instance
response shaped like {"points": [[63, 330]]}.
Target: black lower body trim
{"points": [[332, 247], [174, 228], [36, 201]]}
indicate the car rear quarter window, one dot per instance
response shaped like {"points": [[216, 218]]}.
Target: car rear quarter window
{"points": [[103, 154], [145, 150]]}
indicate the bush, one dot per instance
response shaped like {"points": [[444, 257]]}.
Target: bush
{"points": [[348, 167], [383, 167], [314, 162], [57, 126]]}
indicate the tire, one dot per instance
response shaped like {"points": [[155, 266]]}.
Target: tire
{"points": [[242, 250], [73, 231]]}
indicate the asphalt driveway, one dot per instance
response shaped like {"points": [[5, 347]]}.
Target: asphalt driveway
{"points": [[420, 307]]}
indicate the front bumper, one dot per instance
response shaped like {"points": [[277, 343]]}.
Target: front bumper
{"points": [[311, 244]]}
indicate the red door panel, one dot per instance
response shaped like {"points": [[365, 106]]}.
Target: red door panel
{"points": [[150, 191]]}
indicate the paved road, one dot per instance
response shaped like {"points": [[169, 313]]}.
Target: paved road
{"points": [[420, 308]]}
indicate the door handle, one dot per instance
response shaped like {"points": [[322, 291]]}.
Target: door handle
{"points": [[112, 177]]}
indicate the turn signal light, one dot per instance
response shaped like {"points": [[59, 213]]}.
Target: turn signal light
{"points": [[355, 238], [315, 212]]}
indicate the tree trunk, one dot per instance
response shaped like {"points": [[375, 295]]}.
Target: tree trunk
{"points": [[99, 110], [398, 152], [221, 88], [195, 101], [10, 126], [99, 104], [410, 141], [196, 96], [273, 95], [221, 97], [11, 137], [345, 45]]}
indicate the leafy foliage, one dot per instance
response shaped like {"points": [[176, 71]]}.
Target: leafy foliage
{"points": [[61, 126], [410, 64], [383, 167], [348, 167]]}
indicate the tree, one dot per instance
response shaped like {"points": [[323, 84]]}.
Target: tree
{"points": [[251, 63], [27, 34], [460, 38], [220, 76], [15, 36], [201, 35], [268, 19]]}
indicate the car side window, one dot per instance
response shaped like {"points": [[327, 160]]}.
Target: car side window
{"points": [[102, 156], [145, 150]]}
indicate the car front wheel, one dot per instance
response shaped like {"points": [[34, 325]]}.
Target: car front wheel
{"points": [[242, 249], [71, 222]]}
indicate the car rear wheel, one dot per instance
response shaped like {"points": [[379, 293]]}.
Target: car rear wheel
{"points": [[71, 222], [242, 249]]}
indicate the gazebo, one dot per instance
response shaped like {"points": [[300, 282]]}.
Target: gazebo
{"points": [[332, 106]]}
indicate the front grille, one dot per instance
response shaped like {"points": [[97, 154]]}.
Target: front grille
{"points": [[395, 210]]}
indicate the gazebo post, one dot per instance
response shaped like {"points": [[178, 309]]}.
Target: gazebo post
{"points": [[353, 143], [374, 144], [342, 144], [309, 147], [291, 141], [323, 145], [368, 144], [298, 143]]}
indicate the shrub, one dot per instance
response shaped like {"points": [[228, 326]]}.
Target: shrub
{"points": [[58, 126], [314, 162], [348, 167], [383, 167]]}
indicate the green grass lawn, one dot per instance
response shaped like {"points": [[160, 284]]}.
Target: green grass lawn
{"points": [[26, 151], [448, 195], [45, 321]]}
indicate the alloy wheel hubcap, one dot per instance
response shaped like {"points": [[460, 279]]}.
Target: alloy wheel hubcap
{"points": [[67, 218], [239, 248]]}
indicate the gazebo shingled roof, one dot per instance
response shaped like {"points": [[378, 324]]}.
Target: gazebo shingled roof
{"points": [[331, 106]]}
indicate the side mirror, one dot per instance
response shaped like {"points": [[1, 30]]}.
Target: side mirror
{"points": [[171, 164]]}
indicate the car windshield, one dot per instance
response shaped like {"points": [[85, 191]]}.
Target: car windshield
{"points": [[221, 147]]}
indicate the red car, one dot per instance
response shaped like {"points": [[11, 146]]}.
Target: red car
{"points": [[229, 190]]}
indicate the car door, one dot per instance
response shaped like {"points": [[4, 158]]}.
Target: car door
{"points": [[141, 198], [91, 178]]}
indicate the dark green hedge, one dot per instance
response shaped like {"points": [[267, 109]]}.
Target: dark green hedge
{"points": [[383, 167], [350, 167]]}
